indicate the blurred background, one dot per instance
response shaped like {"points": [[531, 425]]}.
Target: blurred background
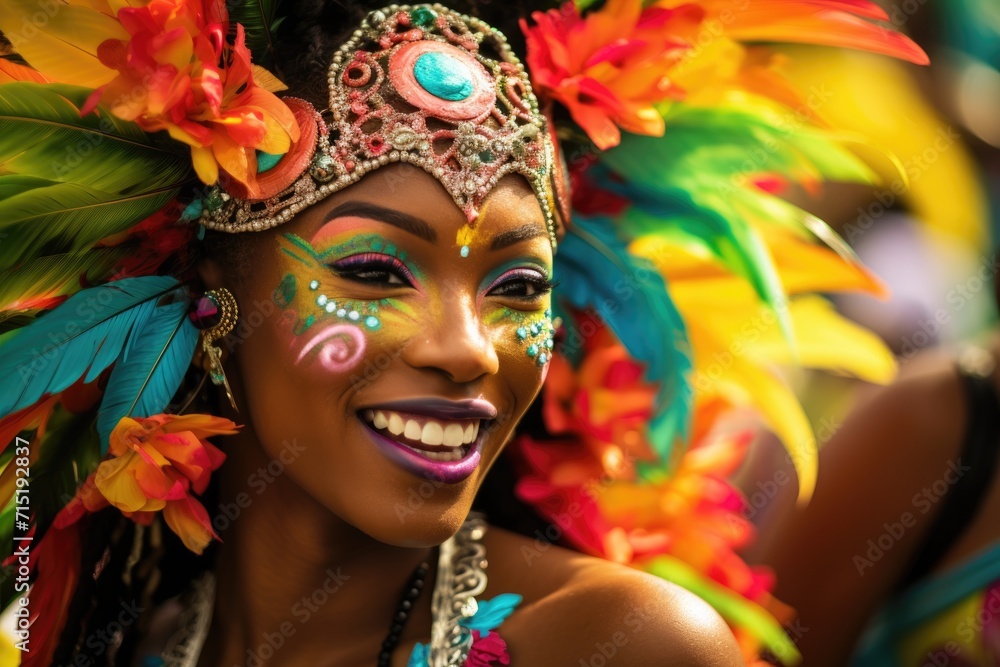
{"points": [[929, 229]]}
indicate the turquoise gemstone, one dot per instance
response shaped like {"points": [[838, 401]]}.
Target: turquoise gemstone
{"points": [[267, 161], [532, 350], [522, 333], [443, 76], [372, 322]]}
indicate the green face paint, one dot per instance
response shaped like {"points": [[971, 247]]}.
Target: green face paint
{"points": [[317, 304]]}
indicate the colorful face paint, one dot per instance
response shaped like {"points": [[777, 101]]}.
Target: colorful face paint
{"points": [[533, 331], [337, 348], [537, 336], [318, 300]]}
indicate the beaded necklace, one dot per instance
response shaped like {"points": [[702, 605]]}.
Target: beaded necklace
{"points": [[461, 576]]}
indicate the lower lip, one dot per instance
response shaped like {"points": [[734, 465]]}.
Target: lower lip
{"points": [[448, 472]]}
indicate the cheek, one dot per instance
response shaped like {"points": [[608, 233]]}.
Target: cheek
{"points": [[330, 348], [326, 335], [524, 341]]}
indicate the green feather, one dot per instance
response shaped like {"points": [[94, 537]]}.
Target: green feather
{"points": [[56, 275], [260, 20], [44, 216], [694, 184], [42, 134], [69, 181], [11, 321]]}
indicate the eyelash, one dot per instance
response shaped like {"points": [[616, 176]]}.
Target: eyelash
{"points": [[356, 267], [541, 284]]}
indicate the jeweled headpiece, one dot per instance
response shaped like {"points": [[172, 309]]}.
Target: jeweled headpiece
{"points": [[423, 85]]}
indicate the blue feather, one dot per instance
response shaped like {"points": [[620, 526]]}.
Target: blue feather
{"points": [[150, 369], [597, 272], [78, 339]]}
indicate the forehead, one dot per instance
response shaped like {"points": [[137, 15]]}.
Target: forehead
{"points": [[510, 206]]}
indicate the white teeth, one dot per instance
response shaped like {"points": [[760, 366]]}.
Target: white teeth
{"points": [[433, 434], [453, 435], [428, 431], [412, 430], [441, 456], [395, 424]]}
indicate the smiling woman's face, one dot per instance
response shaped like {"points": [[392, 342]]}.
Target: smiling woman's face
{"points": [[400, 367]]}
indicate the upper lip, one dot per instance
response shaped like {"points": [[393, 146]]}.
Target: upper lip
{"points": [[441, 408]]}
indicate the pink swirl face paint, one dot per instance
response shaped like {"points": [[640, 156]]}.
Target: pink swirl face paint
{"points": [[338, 347]]}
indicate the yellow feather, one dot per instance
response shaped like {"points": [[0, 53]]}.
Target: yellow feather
{"points": [[723, 369], [887, 107], [61, 43]]}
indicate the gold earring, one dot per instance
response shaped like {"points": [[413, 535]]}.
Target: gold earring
{"points": [[215, 313]]}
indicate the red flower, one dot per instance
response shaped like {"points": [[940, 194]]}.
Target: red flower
{"points": [[609, 68], [487, 651], [178, 74]]}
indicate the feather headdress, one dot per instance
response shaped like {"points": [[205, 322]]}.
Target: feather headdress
{"points": [[685, 278]]}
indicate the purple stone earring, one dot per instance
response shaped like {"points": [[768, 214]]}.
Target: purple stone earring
{"points": [[215, 314]]}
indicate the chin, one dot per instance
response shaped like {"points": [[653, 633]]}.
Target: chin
{"points": [[413, 496], [411, 525]]}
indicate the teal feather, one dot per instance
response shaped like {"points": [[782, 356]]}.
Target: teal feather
{"points": [[490, 614], [597, 272], [78, 339], [150, 369]]}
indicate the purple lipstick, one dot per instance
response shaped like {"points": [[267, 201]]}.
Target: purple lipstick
{"points": [[433, 438]]}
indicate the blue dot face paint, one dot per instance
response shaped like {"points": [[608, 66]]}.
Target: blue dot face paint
{"points": [[533, 331]]}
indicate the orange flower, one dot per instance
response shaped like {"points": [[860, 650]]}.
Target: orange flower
{"points": [[606, 402], [609, 68], [156, 464], [178, 74]]}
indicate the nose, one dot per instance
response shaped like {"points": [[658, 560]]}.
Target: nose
{"points": [[453, 341]]}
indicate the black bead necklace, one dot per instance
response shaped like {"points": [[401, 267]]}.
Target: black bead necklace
{"points": [[410, 595]]}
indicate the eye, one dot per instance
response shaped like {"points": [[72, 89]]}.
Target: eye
{"points": [[373, 268], [524, 284]]}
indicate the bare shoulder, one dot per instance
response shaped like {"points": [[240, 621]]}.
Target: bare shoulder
{"points": [[584, 611]]}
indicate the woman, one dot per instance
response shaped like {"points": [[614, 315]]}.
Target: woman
{"points": [[374, 341]]}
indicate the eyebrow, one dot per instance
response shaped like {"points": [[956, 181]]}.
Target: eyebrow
{"points": [[370, 211], [510, 237]]}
